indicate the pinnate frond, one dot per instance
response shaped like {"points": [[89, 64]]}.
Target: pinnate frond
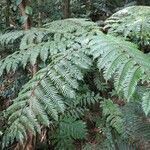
{"points": [[42, 98]]}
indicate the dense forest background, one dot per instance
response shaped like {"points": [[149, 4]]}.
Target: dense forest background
{"points": [[75, 74], [44, 11]]}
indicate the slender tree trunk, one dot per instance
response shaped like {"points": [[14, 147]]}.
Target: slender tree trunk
{"points": [[27, 23], [29, 144], [39, 13], [66, 9], [7, 13], [88, 5]]}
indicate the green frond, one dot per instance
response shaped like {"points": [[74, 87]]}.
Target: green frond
{"points": [[121, 60], [131, 81], [10, 38], [71, 47], [146, 102], [75, 111], [43, 97], [131, 23], [45, 42], [24, 39], [71, 26], [113, 115], [116, 57], [79, 107], [89, 98], [69, 130], [99, 81], [136, 122]]}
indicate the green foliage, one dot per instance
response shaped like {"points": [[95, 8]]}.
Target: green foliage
{"points": [[57, 37], [121, 60], [113, 114], [99, 81], [131, 23], [80, 106], [45, 94], [69, 129], [146, 102], [77, 98], [9, 39], [59, 92], [28, 10], [89, 98], [128, 66], [135, 122]]}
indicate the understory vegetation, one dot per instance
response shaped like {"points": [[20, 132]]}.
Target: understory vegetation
{"points": [[74, 75]]}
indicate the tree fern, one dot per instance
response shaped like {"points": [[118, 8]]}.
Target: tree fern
{"points": [[8, 39], [121, 60], [131, 22], [136, 122], [113, 114], [57, 37], [79, 107], [43, 95], [72, 48], [69, 130], [124, 52]]}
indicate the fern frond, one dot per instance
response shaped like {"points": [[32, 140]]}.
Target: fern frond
{"points": [[44, 43], [69, 51], [136, 122], [10, 38], [79, 107], [43, 97], [71, 25], [69, 130], [88, 99], [24, 39], [52, 31], [113, 114], [122, 61], [131, 22], [99, 81], [146, 102]]}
